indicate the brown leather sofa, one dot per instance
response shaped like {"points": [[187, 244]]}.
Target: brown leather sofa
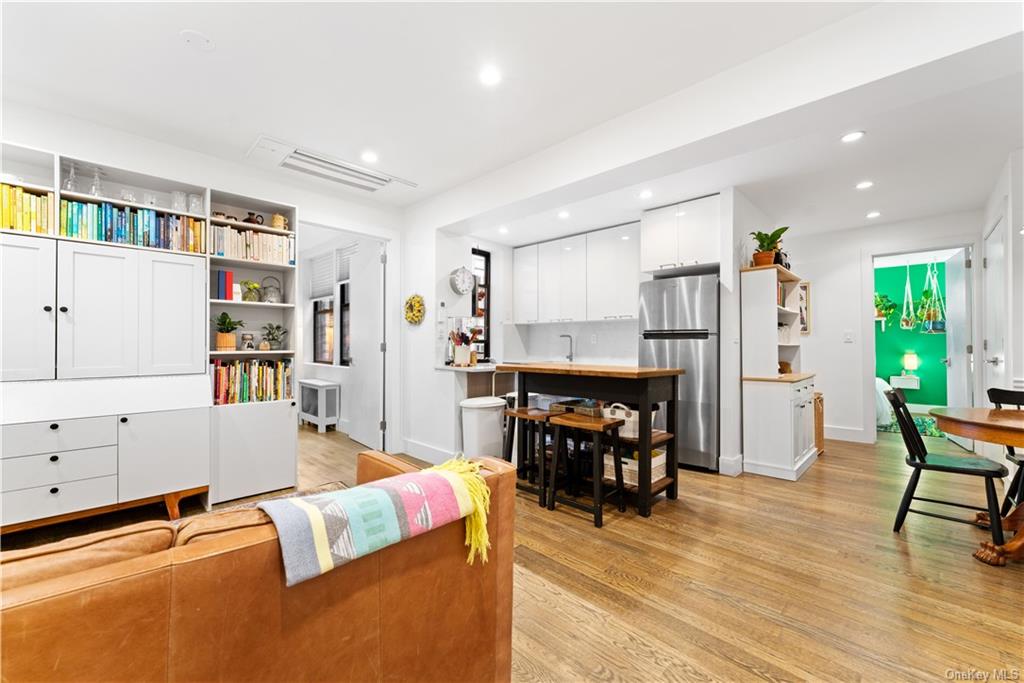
{"points": [[206, 601]]}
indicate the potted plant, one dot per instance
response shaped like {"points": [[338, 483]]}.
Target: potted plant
{"points": [[274, 335], [250, 290], [884, 306], [226, 327], [767, 245]]}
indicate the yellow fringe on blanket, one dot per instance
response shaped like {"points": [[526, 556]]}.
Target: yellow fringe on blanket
{"points": [[476, 523]]}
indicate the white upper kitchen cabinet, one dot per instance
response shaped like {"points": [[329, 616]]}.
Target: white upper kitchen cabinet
{"points": [[28, 301], [613, 272], [562, 266], [697, 224], [97, 311], [172, 314], [524, 278], [659, 239]]}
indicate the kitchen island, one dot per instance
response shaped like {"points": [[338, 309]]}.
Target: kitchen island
{"points": [[613, 384]]}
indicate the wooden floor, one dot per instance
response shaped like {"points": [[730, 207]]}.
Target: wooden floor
{"points": [[741, 578]]}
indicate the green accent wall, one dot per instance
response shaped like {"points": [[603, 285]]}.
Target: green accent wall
{"points": [[894, 342]]}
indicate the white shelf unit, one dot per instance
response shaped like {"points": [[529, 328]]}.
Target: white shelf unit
{"points": [[771, 331]]}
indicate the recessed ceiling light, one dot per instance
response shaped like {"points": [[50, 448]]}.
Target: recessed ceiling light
{"points": [[568, 248], [645, 194], [680, 213], [625, 237], [197, 40], [503, 230], [853, 136], [563, 214], [369, 156], [865, 184], [873, 214], [490, 75]]}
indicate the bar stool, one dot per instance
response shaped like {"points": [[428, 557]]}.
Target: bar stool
{"points": [[532, 426], [597, 428]]}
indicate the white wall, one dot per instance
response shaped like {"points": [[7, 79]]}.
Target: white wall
{"points": [[839, 266]]}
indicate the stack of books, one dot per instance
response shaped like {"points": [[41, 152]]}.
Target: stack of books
{"points": [[251, 245], [25, 211], [104, 222], [251, 381]]}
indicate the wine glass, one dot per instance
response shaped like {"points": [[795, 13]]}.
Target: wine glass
{"points": [[96, 188], [71, 182]]}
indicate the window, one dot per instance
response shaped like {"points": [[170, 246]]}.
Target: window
{"points": [[323, 330], [481, 302], [329, 292]]}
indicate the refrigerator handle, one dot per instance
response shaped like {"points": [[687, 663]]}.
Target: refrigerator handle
{"points": [[676, 334]]}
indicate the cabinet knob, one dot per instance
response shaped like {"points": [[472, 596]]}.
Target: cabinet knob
{"points": [[124, 420], [47, 308], [54, 426], [54, 458], [63, 309], [293, 403], [54, 490]]}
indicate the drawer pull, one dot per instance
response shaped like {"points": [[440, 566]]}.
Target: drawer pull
{"points": [[124, 420], [54, 458], [47, 308], [54, 490], [63, 309], [54, 425]]}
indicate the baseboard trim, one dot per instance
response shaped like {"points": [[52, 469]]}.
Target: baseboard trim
{"points": [[425, 451], [777, 472], [731, 466], [848, 434]]}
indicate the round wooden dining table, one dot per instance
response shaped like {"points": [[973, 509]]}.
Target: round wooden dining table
{"points": [[1004, 427]]}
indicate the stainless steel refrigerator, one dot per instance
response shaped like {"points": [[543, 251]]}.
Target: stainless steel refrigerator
{"points": [[679, 329]]}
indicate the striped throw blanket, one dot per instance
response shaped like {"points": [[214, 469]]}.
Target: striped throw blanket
{"points": [[323, 531]]}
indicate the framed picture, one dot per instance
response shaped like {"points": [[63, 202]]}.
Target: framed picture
{"points": [[804, 306]]}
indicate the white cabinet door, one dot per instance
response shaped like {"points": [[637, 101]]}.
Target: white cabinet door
{"points": [[172, 314], [162, 452], [97, 311], [613, 272], [659, 240], [253, 449], [524, 282], [549, 279], [28, 330], [572, 278], [699, 231]]}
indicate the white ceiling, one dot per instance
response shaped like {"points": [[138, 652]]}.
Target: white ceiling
{"points": [[398, 78], [935, 156]]}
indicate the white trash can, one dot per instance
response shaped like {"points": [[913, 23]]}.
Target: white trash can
{"points": [[482, 421]]}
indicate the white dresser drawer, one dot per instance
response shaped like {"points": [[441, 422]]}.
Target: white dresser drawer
{"points": [[59, 435], [59, 499], [56, 468]]}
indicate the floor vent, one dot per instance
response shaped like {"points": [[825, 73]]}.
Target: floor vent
{"points": [[269, 151]]}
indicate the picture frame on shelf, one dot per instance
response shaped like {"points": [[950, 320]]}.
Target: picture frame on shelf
{"points": [[804, 306]]}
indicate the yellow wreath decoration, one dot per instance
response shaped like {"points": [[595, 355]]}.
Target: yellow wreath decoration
{"points": [[414, 309]]}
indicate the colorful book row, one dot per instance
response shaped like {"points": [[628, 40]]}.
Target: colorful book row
{"points": [[251, 381], [105, 222], [225, 283], [253, 246], [25, 211]]}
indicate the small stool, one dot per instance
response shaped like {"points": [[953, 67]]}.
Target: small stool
{"points": [[319, 403], [527, 421], [597, 428]]}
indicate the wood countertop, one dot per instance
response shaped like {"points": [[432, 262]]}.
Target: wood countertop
{"points": [[585, 370], [789, 377]]}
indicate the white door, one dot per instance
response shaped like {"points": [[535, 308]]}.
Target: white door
{"points": [[172, 314], [613, 273], [366, 297], [97, 311], [993, 347], [524, 280], [699, 231], [958, 336], [162, 452], [549, 279], [572, 278], [659, 239], [28, 280]]}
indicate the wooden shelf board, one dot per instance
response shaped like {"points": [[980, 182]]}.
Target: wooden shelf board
{"points": [[787, 311], [789, 346], [784, 274], [657, 486], [242, 225], [224, 354], [254, 304], [252, 403], [83, 197], [252, 265], [658, 437], [29, 187]]}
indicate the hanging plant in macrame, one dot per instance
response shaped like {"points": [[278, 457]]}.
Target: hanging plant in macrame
{"points": [[931, 310], [908, 320]]}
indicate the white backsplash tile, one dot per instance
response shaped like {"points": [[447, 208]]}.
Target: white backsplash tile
{"points": [[608, 341]]}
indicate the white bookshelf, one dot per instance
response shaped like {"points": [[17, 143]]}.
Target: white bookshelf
{"points": [[771, 327]]}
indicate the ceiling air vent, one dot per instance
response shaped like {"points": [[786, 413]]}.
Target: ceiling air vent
{"points": [[278, 153]]}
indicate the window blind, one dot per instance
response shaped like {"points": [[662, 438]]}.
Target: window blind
{"points": [[321, 276], [342, 260]]}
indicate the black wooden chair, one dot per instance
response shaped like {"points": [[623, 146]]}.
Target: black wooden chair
{"points": [[1015, 491], [920, 459]]}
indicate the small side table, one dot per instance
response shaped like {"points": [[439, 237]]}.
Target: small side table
{"points": [[319, 401]]}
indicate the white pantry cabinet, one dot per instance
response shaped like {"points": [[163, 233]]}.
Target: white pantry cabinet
{"points": [[778, 427], [524, 279], [172, 314], [97, 311], [163, 451], [562, 265], [686, 234], [613, 272], [28, 304]]}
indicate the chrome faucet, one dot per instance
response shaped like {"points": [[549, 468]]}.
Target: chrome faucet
{"points": [[569, 337]]}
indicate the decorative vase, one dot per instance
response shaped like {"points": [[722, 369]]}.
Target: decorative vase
{"points": [[472, 358], [264, 345], [226, 341], [250, 294], [275, 344], [764, 258], [461, 356]]}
